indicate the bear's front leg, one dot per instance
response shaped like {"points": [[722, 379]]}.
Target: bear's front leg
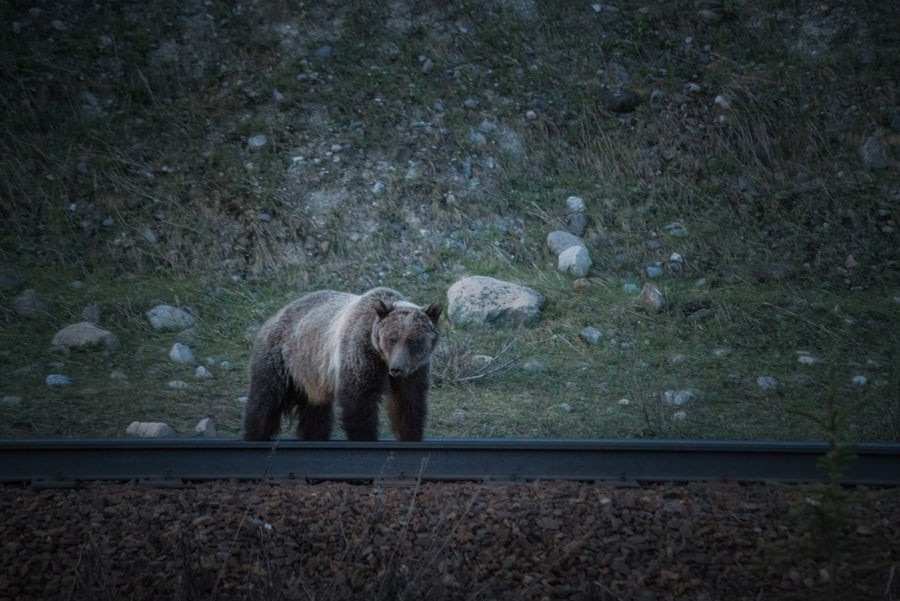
{"points": [[359, 413], [407, 404]]}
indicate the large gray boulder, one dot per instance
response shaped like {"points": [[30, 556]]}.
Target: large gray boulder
{"points": [[480, 301], [85, 335]]}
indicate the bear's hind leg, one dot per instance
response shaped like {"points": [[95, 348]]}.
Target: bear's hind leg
{"points": [[406, 405], [267, 399]]}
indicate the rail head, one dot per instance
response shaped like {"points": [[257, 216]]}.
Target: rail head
{"points": [[67, 460]]}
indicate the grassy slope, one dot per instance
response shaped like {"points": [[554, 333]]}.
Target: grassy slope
{"points": [[141, 115]]}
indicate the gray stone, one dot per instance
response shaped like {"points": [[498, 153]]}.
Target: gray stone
{"points": [[576, 223], [620, 101], [872, 154], [481, 301], [257, 141], [91, 313], [11, 401], [181, 353], [575, 204], [201, 373], [150, 430], [652, 298], [654, 271], [558, 241], [57, 380], [325, 52], [534, 366], [767, 383], [676, 229], [591, 335], [29, 304], [678, 397], [9, 283], [575, 260], [85, 335], [177, 384], [206, 428], [167, 317]]}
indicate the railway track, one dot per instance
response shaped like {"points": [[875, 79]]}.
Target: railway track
{"points": [[65, 461]]}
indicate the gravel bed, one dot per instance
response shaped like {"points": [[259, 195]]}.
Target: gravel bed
{"points": [[463, 540]]}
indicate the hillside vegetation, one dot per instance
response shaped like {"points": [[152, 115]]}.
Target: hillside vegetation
{"points": [[228, 156]]}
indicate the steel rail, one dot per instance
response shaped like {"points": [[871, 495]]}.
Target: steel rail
{"points": [[72, 460]]}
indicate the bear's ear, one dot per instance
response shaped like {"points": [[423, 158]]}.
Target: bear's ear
{"points": [[433, 311], [382, 308]]}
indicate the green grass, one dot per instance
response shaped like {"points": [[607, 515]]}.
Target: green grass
{"points": [[167, 154]]}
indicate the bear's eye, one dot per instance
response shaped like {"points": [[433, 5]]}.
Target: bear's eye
{"points": [[391, 342]]}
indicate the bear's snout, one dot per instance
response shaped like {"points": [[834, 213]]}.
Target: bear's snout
{"points": [[398, 363]]}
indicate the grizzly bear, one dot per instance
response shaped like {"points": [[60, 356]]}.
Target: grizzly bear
{"points": [[330, 349]]}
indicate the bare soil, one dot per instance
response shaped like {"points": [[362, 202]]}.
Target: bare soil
{"points": [[461, 540]]}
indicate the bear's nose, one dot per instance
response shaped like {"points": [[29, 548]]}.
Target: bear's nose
{"points": [[396, 372]]}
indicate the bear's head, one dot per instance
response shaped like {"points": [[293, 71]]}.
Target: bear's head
{"points": [[405, 335]]}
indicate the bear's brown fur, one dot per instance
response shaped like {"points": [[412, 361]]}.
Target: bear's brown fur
{"points": [[333, 348]]}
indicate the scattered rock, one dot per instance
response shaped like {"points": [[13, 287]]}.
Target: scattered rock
{"points": [[206, 428], [29, 304], [57, 380], [566, 407], [860, 380], [678, 397], [91, 313], [676, 229], [767, 383], [621, 101], [872, 154], [201, 373], [481, 301], [257, 141], [575, 204], [576, 223], [325, 52], [580, 285], [559, 241], [575, 260], [591, 335], [535, 366], [181, 353], [167, 317], [177, 384], [11, 401], [679, 416], [654, 271], [652, 298], [9, 283], [85, 335], [623, 402], [150, 430]]}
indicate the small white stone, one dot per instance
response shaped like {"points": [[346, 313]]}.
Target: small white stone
{"points": [[202, 373], [575, 204], [206, 427], [623, 402], [58, 380], [860, 380], [177, 384], [679, 416], [181, 353], [566, 407], [767, 382]]}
